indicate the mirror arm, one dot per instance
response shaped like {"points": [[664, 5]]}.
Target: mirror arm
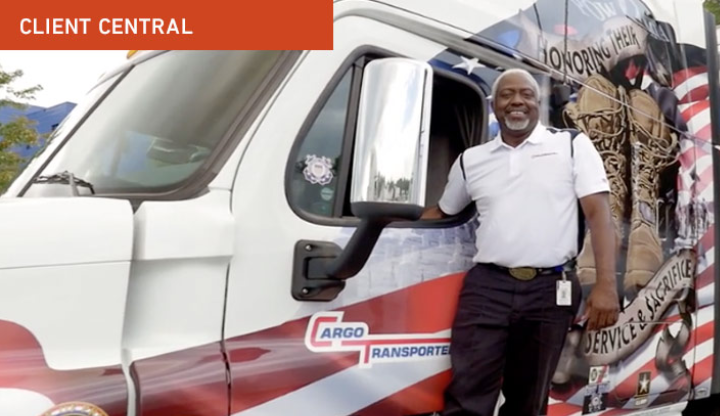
{"points": [[375, 217], [358, 249]]}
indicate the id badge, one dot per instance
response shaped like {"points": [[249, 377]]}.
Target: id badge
{"points": [[564, 293]]}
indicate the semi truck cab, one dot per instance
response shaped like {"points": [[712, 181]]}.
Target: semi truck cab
{"points": [[218, 233]]}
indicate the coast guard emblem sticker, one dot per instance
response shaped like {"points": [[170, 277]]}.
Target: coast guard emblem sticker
{"points": [[318, 170]]}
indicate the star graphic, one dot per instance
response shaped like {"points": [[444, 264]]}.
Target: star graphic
{"points": [[645, 383], [468, 64]]}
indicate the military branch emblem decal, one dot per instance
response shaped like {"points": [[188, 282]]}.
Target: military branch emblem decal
{"points": [[75, 409], [643, 388], [318, 170], [596, 392]]}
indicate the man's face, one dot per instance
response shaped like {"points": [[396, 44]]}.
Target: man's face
{"points": [[516, 105]]}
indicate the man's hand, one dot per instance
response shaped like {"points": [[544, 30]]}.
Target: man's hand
{"points": [[433, 213], [602, 307]]}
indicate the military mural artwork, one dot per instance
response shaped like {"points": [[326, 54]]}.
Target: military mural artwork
{"points": [[642, 98]]}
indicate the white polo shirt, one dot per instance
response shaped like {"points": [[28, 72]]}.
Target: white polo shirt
{"points": [[526, 197]]}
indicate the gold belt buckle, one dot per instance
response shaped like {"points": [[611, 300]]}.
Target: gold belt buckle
{"points": [[523, 273]]}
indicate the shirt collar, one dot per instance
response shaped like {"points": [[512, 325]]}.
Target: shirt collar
{"points": [[536, 137]]}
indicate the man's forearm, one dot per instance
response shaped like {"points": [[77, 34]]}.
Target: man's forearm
{"points": [[603, 237], [603, 242], [603, 304]]}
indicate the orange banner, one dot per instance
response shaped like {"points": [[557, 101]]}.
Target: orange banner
{"points": [[128, 24]]}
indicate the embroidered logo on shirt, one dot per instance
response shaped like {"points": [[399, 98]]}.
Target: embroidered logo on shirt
{"points": [[544, 155]]}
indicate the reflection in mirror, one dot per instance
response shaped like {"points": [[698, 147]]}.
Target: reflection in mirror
{"points": [[392, 133]]}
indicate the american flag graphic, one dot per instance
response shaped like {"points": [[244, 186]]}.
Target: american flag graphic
{"points": [[695, 182], [695, 216]]}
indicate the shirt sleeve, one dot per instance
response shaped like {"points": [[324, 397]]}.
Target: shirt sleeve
{"points": [[455, 197], [589, 171]]}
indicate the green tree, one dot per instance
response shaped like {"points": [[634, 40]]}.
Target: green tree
{"points": [[19, 130], [713, 6]]}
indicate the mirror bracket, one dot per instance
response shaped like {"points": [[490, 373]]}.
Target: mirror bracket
{"points": [[321, 268], [310, 282]]}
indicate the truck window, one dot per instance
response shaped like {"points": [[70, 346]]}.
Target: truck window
{"points": [[315, 173], [162, 122], [319, 172]]}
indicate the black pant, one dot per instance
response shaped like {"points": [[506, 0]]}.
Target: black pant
{"points": [[507, 334]]}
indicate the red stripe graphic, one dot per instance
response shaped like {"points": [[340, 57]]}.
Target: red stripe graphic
{"points": [[285, 364], [271, 363], [708, 239], [191, 382], [695, 109], [676, 392], [419, 398], [700, 93], [563, 409], [683, 75], [705, 278], [703, 133], [23, 366], [275, 362]]}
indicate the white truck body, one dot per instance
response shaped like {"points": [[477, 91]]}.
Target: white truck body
{"points": [[178, 284]]}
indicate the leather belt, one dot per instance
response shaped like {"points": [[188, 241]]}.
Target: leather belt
{"points": [[529, 273]]}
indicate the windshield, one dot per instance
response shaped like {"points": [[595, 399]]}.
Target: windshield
{"points": [[56, 137], [163, 120]]}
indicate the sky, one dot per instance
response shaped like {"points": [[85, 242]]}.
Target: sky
{"points": [[64, 75]]}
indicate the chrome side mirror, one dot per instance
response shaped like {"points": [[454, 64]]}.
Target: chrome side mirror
{"points": [[391, 144], [391, 154], [389, 173]]}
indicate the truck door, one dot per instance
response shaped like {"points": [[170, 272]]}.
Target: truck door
{"points": [[167, 159], [286, 334]]}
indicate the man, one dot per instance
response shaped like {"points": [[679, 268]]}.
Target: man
{"points": [[518, 301]]}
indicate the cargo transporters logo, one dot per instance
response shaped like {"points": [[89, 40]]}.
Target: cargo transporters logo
{"points": [[326, 332]]}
